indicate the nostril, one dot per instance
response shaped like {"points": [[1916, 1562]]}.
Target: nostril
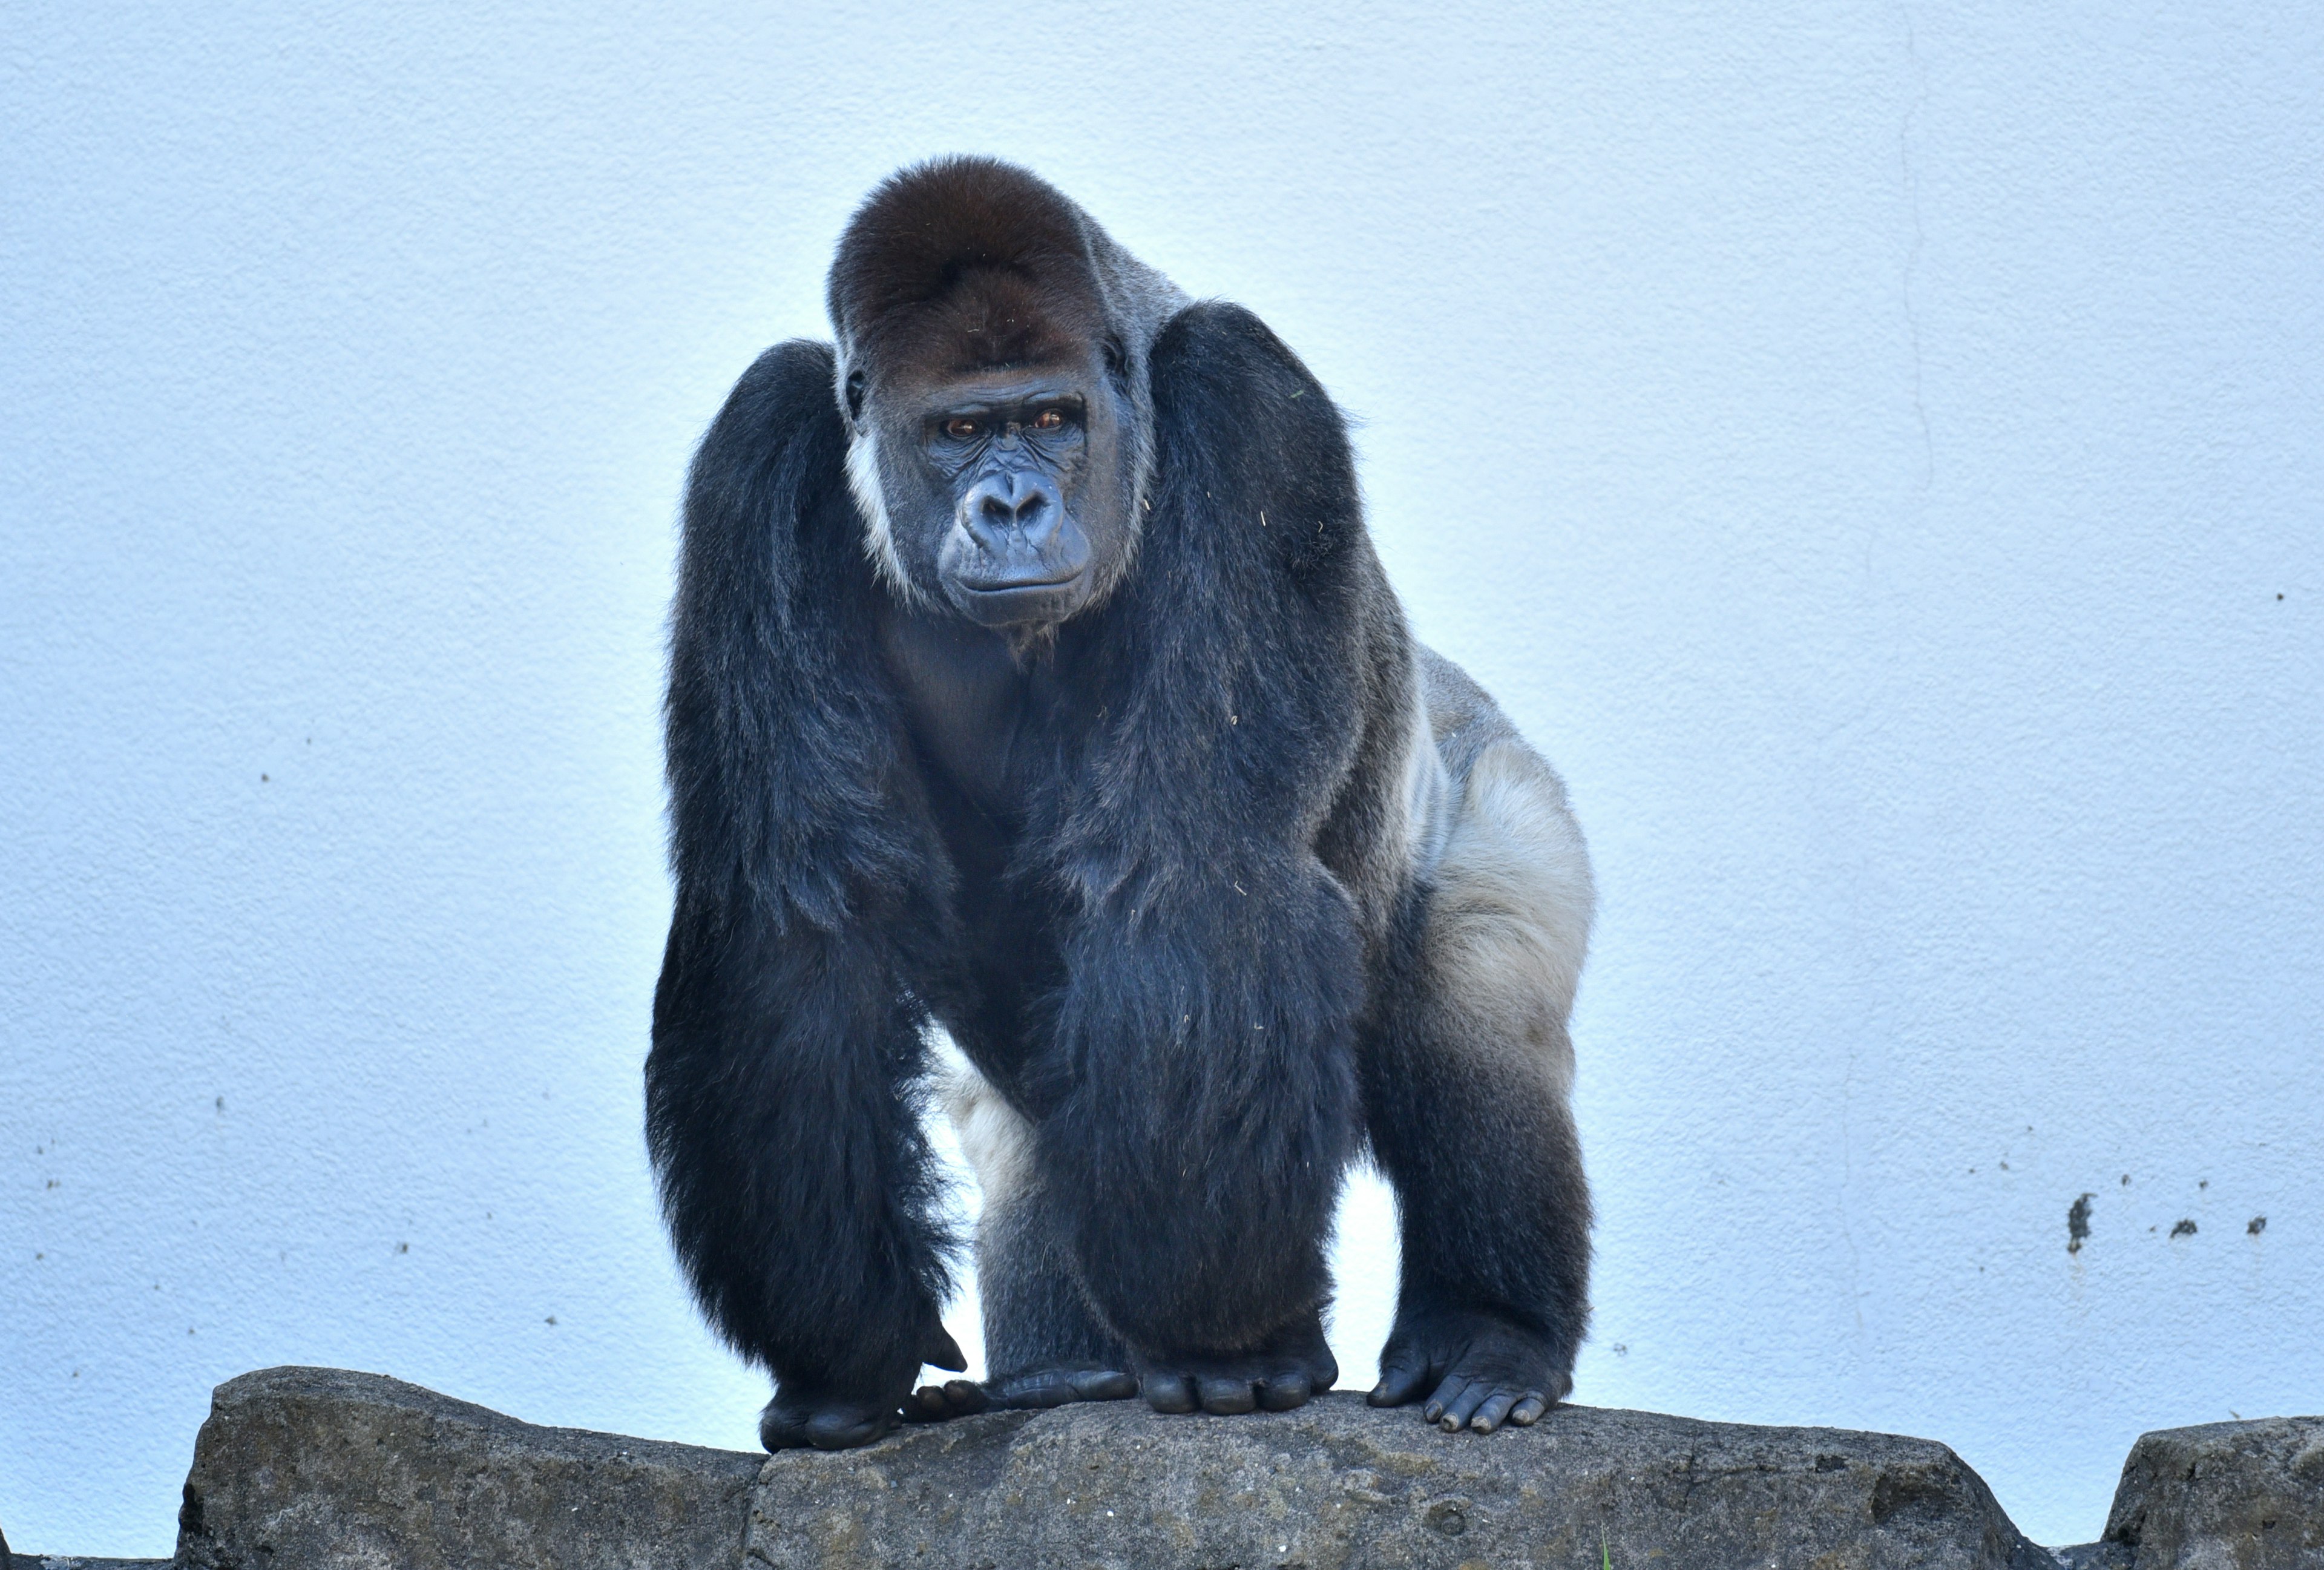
{"points": [[1004, 505]]}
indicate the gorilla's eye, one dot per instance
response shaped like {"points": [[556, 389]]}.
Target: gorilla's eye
{"points": [[1049, 419], [959, 428]]}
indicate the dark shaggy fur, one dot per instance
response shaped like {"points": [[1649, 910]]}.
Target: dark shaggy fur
{"points": [[1192, 961]]}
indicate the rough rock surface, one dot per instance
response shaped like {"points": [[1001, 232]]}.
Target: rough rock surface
{"points": [[308, 1467], [2224, 1496], [1337, 1484]]}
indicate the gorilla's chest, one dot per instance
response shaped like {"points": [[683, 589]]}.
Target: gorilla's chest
{"points": [[966, 700]]}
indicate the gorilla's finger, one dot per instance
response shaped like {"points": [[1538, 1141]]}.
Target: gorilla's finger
{"points": [[1282, 1392], [1528, 1412], [1102, 1384], [1226, 1397], [1169, 1392], [1490, 1415], [942, 1352], [1398, 1383]]}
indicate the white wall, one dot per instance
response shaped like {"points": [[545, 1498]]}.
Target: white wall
{"points": [[1874, 450]]}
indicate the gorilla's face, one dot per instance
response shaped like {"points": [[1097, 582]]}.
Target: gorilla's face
{"points": [[1005, 493]]}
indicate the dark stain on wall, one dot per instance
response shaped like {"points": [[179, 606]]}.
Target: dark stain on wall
{"points": [[2078, 1222], [2185, 1228], [2258, 1225]]}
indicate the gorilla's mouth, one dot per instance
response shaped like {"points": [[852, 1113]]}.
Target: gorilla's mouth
{"points": [[1009, 585], [1009, 601]]}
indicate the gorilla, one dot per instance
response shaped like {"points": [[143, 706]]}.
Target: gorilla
{"points": [[1032, 676]]}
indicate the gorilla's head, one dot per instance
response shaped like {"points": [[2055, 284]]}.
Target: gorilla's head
{"points": [[993, 370]]}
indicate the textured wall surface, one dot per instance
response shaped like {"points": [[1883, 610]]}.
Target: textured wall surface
{"points": [[1874, 450]]}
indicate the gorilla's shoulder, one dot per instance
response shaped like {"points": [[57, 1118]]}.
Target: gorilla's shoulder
{"points": [[789, 375], [1248, 429], [1219, 341]]}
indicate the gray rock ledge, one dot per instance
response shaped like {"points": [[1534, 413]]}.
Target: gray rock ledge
{"points": [[300, 1467], [2224, 1496], [1337, 1484]]}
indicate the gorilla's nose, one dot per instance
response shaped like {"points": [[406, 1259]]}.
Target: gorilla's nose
{"points": [[1011, 503]]}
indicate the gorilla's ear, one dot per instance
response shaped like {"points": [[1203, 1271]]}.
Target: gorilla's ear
{"points": [[854, 397], [1246, 439]]}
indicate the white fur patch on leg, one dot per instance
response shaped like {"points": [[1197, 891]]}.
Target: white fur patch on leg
{"points": [[1510, 923], [995, 1136]]}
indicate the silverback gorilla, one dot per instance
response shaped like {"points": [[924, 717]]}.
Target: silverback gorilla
{"points": [[1032, 675]]}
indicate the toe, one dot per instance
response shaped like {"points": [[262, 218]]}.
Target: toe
{"points": [[1398, 1383], [939, 1403], [1047, 1388], [1226, 1396], [1169, 1392], [1284, 1391], [1462, 1407], [844, 1431], [1528, 1411], [1102, 1385], [1496, 1409], [1434, 1407]]}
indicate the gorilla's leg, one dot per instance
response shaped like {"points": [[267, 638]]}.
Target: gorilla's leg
{"points": [[1467, 1069], [1042, 1346]]}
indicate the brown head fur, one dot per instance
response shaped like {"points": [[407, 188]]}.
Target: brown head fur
{"points": [[963, 263]]}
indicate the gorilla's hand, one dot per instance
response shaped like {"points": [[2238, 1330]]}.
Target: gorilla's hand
{"points": [[1281, 1373], [798, 1417], [1481, 1371]]}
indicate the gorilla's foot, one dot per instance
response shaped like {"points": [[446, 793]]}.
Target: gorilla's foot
{"points": [[1053, 1387], [830, 1421], [1283, 1373], [824, 1423], [1048, 1387], [1480, 1371]]}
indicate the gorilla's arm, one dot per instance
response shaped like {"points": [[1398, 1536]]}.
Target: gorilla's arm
{"points": [[1203, 1103], [811, 893]]}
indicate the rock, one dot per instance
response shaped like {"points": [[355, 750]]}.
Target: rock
{"points": [[303, 1467], [1337, 1484], [308, 1467], [2224, 1496]]}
